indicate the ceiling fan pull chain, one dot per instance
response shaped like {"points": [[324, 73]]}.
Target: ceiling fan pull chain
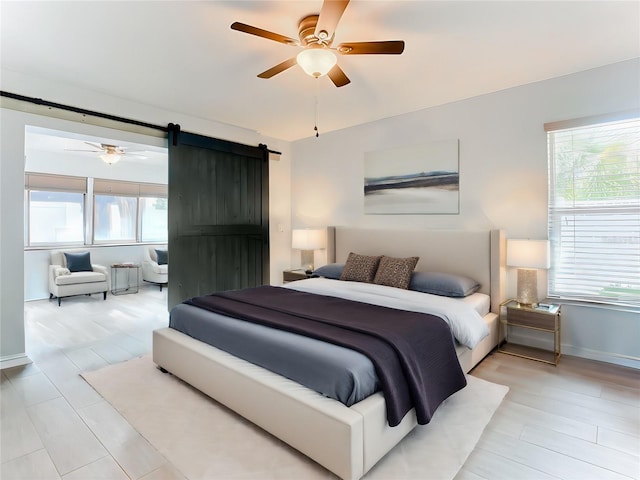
{"points": [[315, 127]]}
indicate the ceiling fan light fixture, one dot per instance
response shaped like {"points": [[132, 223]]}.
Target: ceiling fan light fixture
{"points": [[110, 158], [316, 61]]}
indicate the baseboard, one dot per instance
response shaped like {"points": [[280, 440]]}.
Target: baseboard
{"points": [[622, 360], [14, 361], [567, 349]]}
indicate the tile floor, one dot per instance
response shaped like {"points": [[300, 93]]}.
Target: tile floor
{"points": [[580, 420], [53, 424]]}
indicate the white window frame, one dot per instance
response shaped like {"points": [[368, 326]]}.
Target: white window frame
{"points": [[603, 239], [89, 187], [41, 182]]}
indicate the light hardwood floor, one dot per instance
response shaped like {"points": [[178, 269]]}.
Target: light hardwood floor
{"points": [[580, 420]]}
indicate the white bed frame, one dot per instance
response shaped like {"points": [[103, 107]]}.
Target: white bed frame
{"points": [[348, 441]]}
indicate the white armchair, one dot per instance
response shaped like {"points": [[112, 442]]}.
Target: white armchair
{"points": [[151, 271], [64, 283]]}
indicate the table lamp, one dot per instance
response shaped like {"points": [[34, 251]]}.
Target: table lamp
{"points": [[528, 256], [308, 240]]}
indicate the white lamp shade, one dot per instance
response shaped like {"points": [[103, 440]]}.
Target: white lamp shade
{"points": [[308, 239], [316, 61], [528, 253]]}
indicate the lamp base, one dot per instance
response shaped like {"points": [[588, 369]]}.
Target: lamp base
{"points": [[306, 260], [527, 287]]}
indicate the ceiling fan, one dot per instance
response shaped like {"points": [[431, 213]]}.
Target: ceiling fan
{"points": [[109, 153], [316, 34]]}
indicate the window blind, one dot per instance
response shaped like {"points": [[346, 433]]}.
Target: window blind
{"points": [[115, 187], [118, 187], [54, 183], [153, 190], [594, 212]]}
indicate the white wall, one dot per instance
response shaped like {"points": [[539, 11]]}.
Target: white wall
{"points": [[12, 167], [503, 168], [503, 176], [12, 350]]}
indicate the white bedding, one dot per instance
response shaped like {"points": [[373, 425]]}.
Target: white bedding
{"points": [[480, 302], [467, 325]]}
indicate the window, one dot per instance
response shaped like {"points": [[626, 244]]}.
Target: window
{"points": [[594, 211], [129, 212], [55, 209], [56, 217], [114, 219], [153, 217], [62, 210], [154, 222]]}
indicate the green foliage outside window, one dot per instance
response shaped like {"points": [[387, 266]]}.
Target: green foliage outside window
{"points": [[589, 169]]}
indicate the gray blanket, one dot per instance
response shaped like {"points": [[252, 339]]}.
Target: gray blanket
{"points": [[334, 371], [413, 353]]}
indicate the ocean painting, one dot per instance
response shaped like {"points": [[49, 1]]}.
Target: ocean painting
{"points": [[422, 179]]}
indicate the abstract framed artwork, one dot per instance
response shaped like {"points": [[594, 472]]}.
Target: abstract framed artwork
{"points": [[415, 180]]}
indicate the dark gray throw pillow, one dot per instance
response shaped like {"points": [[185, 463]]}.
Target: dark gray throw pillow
{"points": [[78, 262], [360, 268], [446, 284], [332, 270], [163, 257]]}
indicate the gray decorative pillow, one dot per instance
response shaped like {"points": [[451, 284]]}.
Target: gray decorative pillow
{"points": [[162, 256], [78, 262], [446, 284], [395, 272], [332, 270], [360, 268]]}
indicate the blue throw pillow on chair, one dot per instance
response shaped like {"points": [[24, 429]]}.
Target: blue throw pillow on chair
{"points": [[78, 262], [163, 257]]}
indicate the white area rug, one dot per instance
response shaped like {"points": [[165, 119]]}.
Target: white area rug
{"points": [[205, 440]]}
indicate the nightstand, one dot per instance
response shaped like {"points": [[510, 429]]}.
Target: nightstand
{"points": [[514, 315], [293, 275]]}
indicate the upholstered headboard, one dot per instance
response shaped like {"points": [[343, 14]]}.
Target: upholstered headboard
{"points": [[476, 254]]}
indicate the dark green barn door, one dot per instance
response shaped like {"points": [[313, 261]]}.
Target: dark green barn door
{"points": [[218, 216]]}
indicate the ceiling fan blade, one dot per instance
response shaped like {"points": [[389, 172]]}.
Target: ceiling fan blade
{"points": [[330, 15], [95, 145], [338, 77], [73, 150], [281, 67], [259, 32], [391, 47]]}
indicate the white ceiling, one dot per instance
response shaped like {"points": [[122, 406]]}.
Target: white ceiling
{"points": [[77, 147], [182, 55]]}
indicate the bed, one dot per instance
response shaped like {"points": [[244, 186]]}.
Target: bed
{"points": [[348, 441]]}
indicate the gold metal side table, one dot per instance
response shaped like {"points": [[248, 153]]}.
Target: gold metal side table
{"points": [[541, 318], [121, 278]]}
